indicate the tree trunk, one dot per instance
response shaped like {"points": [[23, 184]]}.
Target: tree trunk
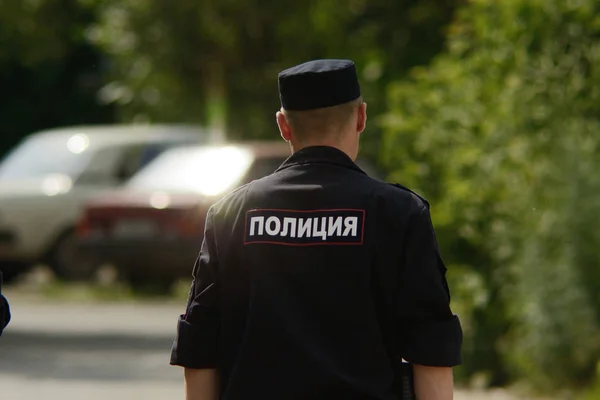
{"points": [[216, 102]]}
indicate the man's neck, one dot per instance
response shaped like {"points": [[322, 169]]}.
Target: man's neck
{"points": [[297, 147]]}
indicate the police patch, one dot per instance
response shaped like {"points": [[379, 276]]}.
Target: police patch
{"points": [[305, 227]]}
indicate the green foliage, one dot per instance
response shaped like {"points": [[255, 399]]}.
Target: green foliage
{"points": [[593, 392], [502, 134], [218, 60], [49, 74], [23, 35]]}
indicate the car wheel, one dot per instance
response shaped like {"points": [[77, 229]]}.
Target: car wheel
{"points": [[67, 262], [147, 285]]}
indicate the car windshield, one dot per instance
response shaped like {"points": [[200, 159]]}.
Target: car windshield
{"points": [[43, 155], [209, 170]]}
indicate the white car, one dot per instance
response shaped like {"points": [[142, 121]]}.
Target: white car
{"points": [[46, 180]]}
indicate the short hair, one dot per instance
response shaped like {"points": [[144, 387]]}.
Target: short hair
{"points": [[327, 121]]}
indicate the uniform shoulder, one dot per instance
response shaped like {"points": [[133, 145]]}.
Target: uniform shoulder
{"points": [[401, 195], [234, 197], [237, 196]]}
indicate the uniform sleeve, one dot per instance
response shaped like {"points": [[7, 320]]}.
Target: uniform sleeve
{"points": [[430, 334], [4, 308], [198, 329], [4, 313]]}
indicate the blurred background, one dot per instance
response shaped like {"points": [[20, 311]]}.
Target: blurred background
{"points": [[123, 120]]}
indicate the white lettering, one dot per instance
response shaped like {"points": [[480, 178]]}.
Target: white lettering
{"points": [[273, 231], [291, 222], [257, 220], [304, 227], [335, 226], [320, 232], [351, 225]]}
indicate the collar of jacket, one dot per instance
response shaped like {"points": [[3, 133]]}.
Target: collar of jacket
{"points": [[320, 155]]}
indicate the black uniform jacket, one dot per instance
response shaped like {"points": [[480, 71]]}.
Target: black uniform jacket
{"points": [[4, 309], [314, 283], [4, 313]]}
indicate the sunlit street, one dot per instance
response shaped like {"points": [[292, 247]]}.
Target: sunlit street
{"points": [[68, 349], [352, 183]]}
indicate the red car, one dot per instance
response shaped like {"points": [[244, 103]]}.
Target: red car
{"points": [[151, 230]]}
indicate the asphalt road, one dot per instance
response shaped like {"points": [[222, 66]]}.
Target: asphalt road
{"points": [[67, 351], [89, 351]]}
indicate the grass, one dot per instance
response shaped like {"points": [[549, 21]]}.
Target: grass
{"points": [[593, 392], [42, 284], [113, 293]]}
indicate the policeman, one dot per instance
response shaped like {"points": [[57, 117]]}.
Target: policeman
{"points": [[4, 309], [316, 281]]}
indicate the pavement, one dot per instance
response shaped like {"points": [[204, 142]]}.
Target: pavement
{"points": [[88, 350]]}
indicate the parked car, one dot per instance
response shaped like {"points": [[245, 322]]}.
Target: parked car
{"points": [[46, 180], [151, 230]]}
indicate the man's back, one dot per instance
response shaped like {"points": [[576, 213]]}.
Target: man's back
{"points": [[315, 282], [311, 323], [308, 261]]}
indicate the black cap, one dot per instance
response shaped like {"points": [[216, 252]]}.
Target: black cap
{"points": [[318, 84]]}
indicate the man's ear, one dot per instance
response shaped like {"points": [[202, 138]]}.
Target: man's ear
{"points": [[361, 121], [284, 126]]}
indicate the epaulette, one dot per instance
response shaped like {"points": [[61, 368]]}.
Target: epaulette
{"points": [[412, 192]]}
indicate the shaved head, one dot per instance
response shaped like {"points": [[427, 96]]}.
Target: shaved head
{"points": [[329, 121]]}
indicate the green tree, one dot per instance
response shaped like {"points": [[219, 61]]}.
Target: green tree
{"points": [[49, 73], [218, 60], [501, 132]]}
